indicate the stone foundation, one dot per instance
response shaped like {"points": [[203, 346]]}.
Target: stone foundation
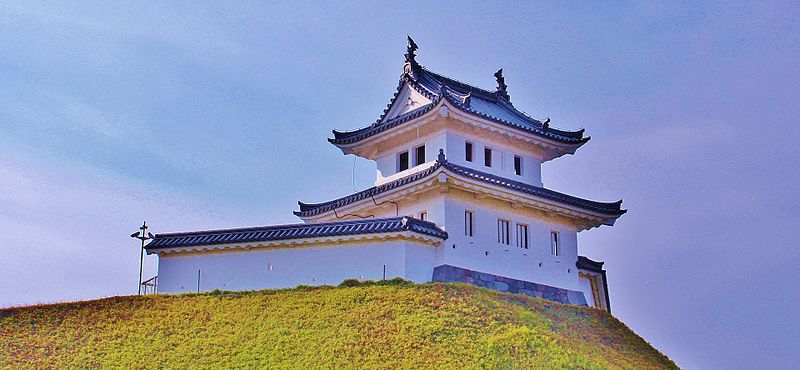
{"points": [[452, 274]]}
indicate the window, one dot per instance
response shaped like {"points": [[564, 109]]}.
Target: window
{"points": [[503, 229], [518, 165], [468, 223], [468, 151], [555, 243], [522, 236], [402, 161], [423, 215], [487, 157], [420, 156]]}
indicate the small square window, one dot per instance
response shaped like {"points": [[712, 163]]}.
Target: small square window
{"points": [[468, 151], [487, 157], [518, 165], [402, 161], [420, 155]]}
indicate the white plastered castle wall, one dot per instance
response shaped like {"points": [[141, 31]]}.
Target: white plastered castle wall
{"points": [[508, 260], [287, 267], [453, 142]]}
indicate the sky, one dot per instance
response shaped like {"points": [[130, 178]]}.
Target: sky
{"points": [[195, 116]]}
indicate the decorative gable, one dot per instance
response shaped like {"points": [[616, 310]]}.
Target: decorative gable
{"points": [[406, 101]]}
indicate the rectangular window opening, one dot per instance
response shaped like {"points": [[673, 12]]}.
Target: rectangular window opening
{"points": [[468, 152], [468, 223], [423, 215], [420, 155], [555, 243], [522, 236], [402, 161], [503, 231], [487, 157], [518, 165]]}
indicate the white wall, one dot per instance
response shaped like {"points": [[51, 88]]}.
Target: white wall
{"points": [[508, 260], [387, 164], [454, 143], [315, 265], [502, 157]]}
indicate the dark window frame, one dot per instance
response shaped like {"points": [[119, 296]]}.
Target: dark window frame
{"points": [[403, 161], [419, 155]]}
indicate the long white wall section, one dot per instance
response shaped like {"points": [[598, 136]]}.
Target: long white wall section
{"points": [[288, 267]]}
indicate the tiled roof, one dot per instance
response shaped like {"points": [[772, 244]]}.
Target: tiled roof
{"points": [[586, 264], [612, 209], [490, 105], [601, 207], [295, 231], [310, 209]]}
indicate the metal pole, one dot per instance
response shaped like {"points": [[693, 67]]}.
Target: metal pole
{"points": [[198, 280], [141, 265], [142, 235]]}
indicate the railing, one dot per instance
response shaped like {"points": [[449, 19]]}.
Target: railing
{"points": [[151, 285]]}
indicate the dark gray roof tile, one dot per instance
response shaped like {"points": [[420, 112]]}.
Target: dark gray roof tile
{"points": [[295, 231]]}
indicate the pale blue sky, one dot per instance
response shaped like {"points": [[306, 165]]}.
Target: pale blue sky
{"points": [[195, 116]]}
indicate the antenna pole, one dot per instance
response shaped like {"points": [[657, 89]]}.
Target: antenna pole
{"points": [[142, 235]]}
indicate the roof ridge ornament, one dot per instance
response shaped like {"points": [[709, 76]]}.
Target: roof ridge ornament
{"points": [[502, 89], [546, 124], [411, 66]]}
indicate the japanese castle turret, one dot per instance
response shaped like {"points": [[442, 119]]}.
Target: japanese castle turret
{"points": [[458, 197]]}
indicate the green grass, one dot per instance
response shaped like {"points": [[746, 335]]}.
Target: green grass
{"points": [[376, 325]]}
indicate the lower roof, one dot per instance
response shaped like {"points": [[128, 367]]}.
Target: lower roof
{"points": [[611, 209], [584, 263], [295, 231]]}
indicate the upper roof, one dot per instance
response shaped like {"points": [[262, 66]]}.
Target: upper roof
{"points": [[495, 106], [611, 209], [295, 231]]}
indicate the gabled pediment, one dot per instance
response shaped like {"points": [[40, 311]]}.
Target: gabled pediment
{"points": [[406, 100]]}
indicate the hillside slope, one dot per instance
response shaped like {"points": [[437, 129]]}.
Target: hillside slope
{"points": [[381, 325]]}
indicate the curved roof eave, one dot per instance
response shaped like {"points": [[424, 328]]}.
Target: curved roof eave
{"points": [[438, 91], [611, 210]]}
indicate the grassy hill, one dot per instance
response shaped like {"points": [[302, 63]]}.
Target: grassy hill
{"points": [[390, 324]]}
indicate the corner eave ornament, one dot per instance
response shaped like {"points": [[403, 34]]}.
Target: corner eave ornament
{"points": [[411, 65], [502, 89]]}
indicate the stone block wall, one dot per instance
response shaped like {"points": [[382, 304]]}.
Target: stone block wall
{"points": [[450, 274]]}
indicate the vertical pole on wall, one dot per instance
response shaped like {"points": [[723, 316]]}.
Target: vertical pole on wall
{"points": [[384, 272], [198, 280]]}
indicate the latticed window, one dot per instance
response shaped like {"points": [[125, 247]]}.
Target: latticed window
{"points": [[503, 231], [522, 236]]}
